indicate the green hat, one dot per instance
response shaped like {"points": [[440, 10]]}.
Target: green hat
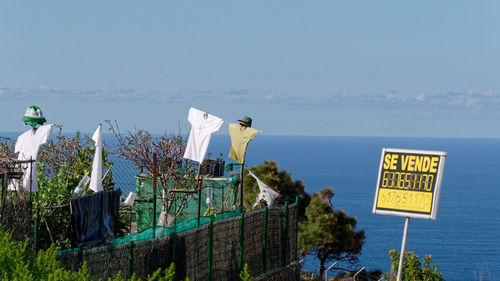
{"points": [[34, 116], [247, 120]]}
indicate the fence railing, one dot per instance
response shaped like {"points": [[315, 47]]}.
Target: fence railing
{"points": [[265, 239]]}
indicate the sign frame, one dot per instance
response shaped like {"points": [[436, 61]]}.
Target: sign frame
{"points": [[435, 193]]}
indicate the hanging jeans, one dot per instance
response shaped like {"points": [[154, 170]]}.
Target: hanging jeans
{"points": [[94, 218]]}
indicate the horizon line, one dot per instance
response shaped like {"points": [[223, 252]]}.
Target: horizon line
{"points": [[294, 135]]}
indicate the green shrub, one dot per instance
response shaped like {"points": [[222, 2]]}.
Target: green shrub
{"points": [[18, 262], [244, 274], [414, 270]]}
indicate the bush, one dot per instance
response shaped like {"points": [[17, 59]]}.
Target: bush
{"points": [[17, 262], [62, 163], [244, 274], [413, 269]]}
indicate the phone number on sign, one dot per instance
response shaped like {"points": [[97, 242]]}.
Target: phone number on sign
{"points": [[411, 181], [416, 201]]}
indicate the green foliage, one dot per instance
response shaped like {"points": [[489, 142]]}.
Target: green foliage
{"points": [[61, 165], [211, 211], [413, 270], [329, 234], [159, 275], [63, 162], [17, 262], [174, 172], [6, 149], [244, 274], [168, 274], [279, 180]]}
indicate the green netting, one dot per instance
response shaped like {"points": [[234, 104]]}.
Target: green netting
{"points": [[144, 202], [191, 247], [161, 231], [223, 191]]}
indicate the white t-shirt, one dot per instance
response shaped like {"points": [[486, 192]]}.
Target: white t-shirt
{"points": [[27, 145], [202, 127]]}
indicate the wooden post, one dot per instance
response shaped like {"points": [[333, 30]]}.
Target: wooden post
{"points": [[31, 185], [4, 192], [37, 223], [155, 175], [199, 185], [241, 186]]}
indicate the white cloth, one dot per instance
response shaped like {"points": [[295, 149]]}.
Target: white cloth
{"points": [[266, 193], [130, 199], [27, 145], [202, 127], [96, 176]]}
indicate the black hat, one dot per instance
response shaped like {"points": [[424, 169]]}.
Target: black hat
{"points": [[247, 120]]}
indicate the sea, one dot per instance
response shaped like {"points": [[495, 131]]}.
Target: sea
{"points": [[464, 240]]}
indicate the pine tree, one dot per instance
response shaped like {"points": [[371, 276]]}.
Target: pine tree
{"points": [[329, 234]]}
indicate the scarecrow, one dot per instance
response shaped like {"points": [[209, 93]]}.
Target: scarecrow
{"points": [[28, 143]]}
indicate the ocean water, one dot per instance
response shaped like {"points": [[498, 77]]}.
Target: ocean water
{"points": [[464, 239]]}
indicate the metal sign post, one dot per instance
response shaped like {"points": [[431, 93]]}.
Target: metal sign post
{"points": [[403, 247]]}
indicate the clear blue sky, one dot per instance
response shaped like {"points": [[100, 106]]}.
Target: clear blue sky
{"points": [[355, 68]]}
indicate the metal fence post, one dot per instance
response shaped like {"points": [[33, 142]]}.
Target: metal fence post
{"points": [[210, 248], [285, 237], [172, 245], [264, 243], [242, 237], [296, 227], [80, 254], [130, 259]]}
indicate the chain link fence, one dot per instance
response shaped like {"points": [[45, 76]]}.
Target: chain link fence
{"points": [[124, 173], [206, 248]]}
